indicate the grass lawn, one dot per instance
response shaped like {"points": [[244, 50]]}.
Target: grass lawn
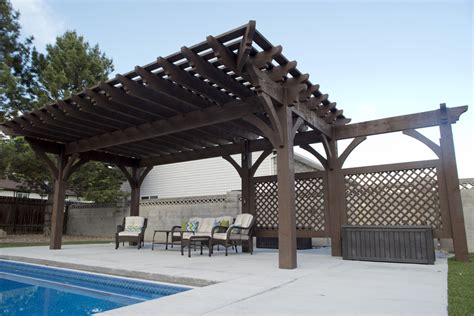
{"points": [[461, 287], [28, 244]]}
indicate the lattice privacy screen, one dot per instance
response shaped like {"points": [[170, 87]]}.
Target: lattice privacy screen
{"points": [[310, 204], [402, 197]]}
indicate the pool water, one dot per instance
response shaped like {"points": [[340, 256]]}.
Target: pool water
{"points": [[27, 289]]}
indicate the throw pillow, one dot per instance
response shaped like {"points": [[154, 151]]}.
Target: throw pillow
{"points": [[133, 229], [192, 226]]}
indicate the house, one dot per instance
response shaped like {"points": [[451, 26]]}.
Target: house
{"points": [[212, 176], [11, 188]]}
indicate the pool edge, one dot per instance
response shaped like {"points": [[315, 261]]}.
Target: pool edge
{"points": [[177, 280]]}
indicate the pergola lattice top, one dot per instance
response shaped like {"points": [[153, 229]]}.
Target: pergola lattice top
{"points": [[204, 97]]}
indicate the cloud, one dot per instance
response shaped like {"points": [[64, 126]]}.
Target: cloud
{"points": [[37, 18]]}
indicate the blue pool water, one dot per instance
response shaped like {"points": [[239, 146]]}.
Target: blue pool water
{"points": [[27, 289]]}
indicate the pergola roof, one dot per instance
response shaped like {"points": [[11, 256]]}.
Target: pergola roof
{"points": [[200, 102]]}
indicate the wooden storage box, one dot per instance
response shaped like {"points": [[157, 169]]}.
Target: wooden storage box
{"points": [[408, 244]]}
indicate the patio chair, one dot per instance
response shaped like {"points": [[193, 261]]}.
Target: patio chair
{"points": [[202, 227], [185, 230], [132, 230], [239, 233]]}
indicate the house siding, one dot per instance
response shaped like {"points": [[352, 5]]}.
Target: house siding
{"points": [[211, 176], [195, 178]]}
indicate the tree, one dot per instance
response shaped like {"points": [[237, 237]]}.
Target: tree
{"points": [[28, 80], [69, 66], [98, 182], [94, 181], [18, 78], [20, 164]]}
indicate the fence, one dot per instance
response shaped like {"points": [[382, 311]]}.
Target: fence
{"points": [[398, 194], [18, 215]]}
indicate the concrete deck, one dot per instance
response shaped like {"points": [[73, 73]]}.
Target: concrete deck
{"points": [[252, 284]]}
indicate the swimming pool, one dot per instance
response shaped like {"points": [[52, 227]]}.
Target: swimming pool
{"points": [[30, 289]]}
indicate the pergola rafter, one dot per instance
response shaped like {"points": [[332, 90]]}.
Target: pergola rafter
{"points": [[232, 93]]}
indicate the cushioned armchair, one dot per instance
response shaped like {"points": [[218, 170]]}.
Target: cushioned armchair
{"points": [[186, 229], [239, 233], [196, 226], [132, 230]]}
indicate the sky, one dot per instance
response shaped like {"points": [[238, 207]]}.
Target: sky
{"points": [[376, 59]]}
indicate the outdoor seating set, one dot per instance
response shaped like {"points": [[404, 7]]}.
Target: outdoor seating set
{"points": [[207, 232]]}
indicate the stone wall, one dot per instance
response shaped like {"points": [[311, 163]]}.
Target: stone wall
{"points": [[467, 195], [102, 219]]}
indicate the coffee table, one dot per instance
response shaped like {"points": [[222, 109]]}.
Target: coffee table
{"points": [[196, 240]]}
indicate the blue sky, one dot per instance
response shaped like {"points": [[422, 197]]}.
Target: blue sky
{"points": [[375, 59]]}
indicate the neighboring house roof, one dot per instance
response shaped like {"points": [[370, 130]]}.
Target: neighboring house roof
{"points": [[11, 185], [310, 163]]}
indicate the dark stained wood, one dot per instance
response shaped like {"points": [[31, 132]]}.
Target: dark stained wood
{"points": [[448, 158], [425, 140], [119, 96], [158, 84], [224, 54], [355, 142], [315, 153], [215, 75], [228, 149], [87, 111], [265, 57], [78, 122], [57, 216], [312, 119], [178, 123], [405, 244], [398, 123], [135, 178], [245, 45], [193, 83], [118, 111], [161, 100], [286, 193], [335, 193]]}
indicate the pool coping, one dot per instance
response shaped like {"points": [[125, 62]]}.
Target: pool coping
{"points": [[175, 280]]}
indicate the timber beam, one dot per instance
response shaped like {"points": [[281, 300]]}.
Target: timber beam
{"points": [[301, 138], [178, 123], [398, 123]]}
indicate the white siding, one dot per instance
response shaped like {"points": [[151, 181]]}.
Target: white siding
{"points": [[199, 177]]}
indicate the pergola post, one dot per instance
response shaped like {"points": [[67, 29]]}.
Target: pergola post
{"points": [[286, 191], [60, 172], [135, 194], [57, 217], [246, 178], [135, 180], [334, 197], [448, 158]]}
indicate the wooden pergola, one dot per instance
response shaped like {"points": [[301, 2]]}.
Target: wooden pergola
{"points": [[233, 93]]}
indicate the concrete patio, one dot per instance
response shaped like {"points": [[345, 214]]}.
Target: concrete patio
{"points": [[252, 284]]}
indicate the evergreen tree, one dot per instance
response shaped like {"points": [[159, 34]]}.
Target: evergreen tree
{"points": [[18, 78], [69, 66], [28, 80]]}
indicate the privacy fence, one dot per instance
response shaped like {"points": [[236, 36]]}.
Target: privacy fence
{"points": [[18, 215], [412, 193]]}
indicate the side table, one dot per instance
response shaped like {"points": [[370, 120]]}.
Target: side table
{"points": [[167, 231]]}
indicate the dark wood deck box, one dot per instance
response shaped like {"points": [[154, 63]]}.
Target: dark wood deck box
{"points": [[407, 244]]}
